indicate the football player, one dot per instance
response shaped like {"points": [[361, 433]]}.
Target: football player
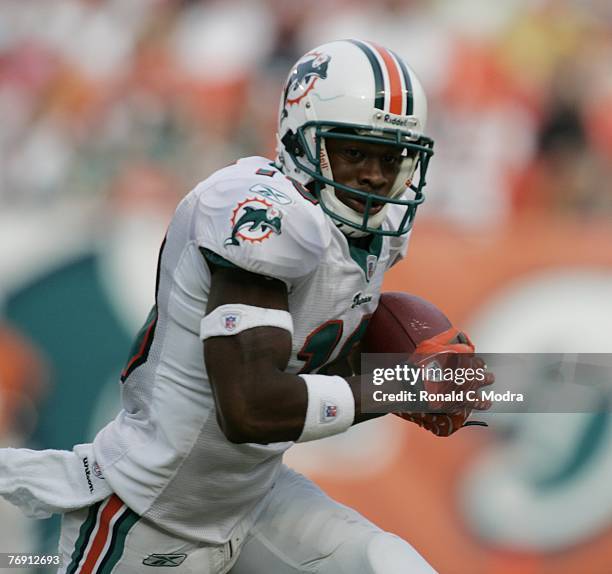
{"points": [[267, 276]]}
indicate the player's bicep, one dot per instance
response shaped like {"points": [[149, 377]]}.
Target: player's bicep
{"points": [[239, 364], [235, 285], [268, 345]]}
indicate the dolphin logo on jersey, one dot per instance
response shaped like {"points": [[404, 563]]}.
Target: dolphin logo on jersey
{"points": [[303, 78], [254, 220]]}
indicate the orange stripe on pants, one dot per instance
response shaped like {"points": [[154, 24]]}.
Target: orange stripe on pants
{"points": [[112, 508]]}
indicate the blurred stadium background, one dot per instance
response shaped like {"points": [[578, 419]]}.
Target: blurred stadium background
{"points": [[111, 110]]}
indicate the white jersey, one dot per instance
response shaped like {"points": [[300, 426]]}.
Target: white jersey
{"points": [[164, 454]]}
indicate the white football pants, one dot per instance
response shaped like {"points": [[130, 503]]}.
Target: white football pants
{"points": [[301, 530]]}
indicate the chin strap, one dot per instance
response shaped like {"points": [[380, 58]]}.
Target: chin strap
{"points": [[350, 231]]}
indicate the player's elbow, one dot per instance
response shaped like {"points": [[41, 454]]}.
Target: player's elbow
{"points": [[244, 432], [239, 431], [240, 424], [234, 433]]}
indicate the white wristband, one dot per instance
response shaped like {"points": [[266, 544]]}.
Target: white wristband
{"points": [[331, 407], [232, 319]]}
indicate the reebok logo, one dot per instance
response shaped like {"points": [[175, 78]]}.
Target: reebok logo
{"points": [[165, 560]]}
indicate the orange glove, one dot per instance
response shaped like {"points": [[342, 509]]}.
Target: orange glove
{"points": [[450, 341], [439, 424], [449, 349]]}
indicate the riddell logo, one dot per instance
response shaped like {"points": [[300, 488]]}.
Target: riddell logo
{"points": [[323, 160], [88, 474], [394, 120], [407, 122]]}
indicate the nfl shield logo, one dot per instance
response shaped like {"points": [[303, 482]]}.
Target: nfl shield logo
{"points": [[371, 262], [230, 322], [329, 412]]}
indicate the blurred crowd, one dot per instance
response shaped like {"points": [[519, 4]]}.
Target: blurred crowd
{"points": [[93, 90]]}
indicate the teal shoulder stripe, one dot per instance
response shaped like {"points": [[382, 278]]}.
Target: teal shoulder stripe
{"points": [[303, 191], [117, 545], [83, 539], [215, 259]]}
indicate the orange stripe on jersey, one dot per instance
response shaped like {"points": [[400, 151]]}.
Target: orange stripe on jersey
{"points": [[112, 508], [395, 83]]}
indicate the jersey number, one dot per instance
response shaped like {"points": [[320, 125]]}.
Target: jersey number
{"points": [[321, 343]]}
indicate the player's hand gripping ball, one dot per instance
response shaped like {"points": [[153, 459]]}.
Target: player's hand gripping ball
{"points": [[405, 323]]}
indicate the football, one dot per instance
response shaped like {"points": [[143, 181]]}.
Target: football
{"points": [[401, 322]]}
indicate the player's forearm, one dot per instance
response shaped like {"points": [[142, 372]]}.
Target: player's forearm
{"points": [[269, 406], [270, 413]]}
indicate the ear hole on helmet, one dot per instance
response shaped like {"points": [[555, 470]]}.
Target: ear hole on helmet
{"points": [[292, 144]]}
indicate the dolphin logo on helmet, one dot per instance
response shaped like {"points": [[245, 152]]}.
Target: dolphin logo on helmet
{"points": [[304, 76]]}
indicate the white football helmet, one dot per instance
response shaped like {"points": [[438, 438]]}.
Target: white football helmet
{"points": [[350, 89]]}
